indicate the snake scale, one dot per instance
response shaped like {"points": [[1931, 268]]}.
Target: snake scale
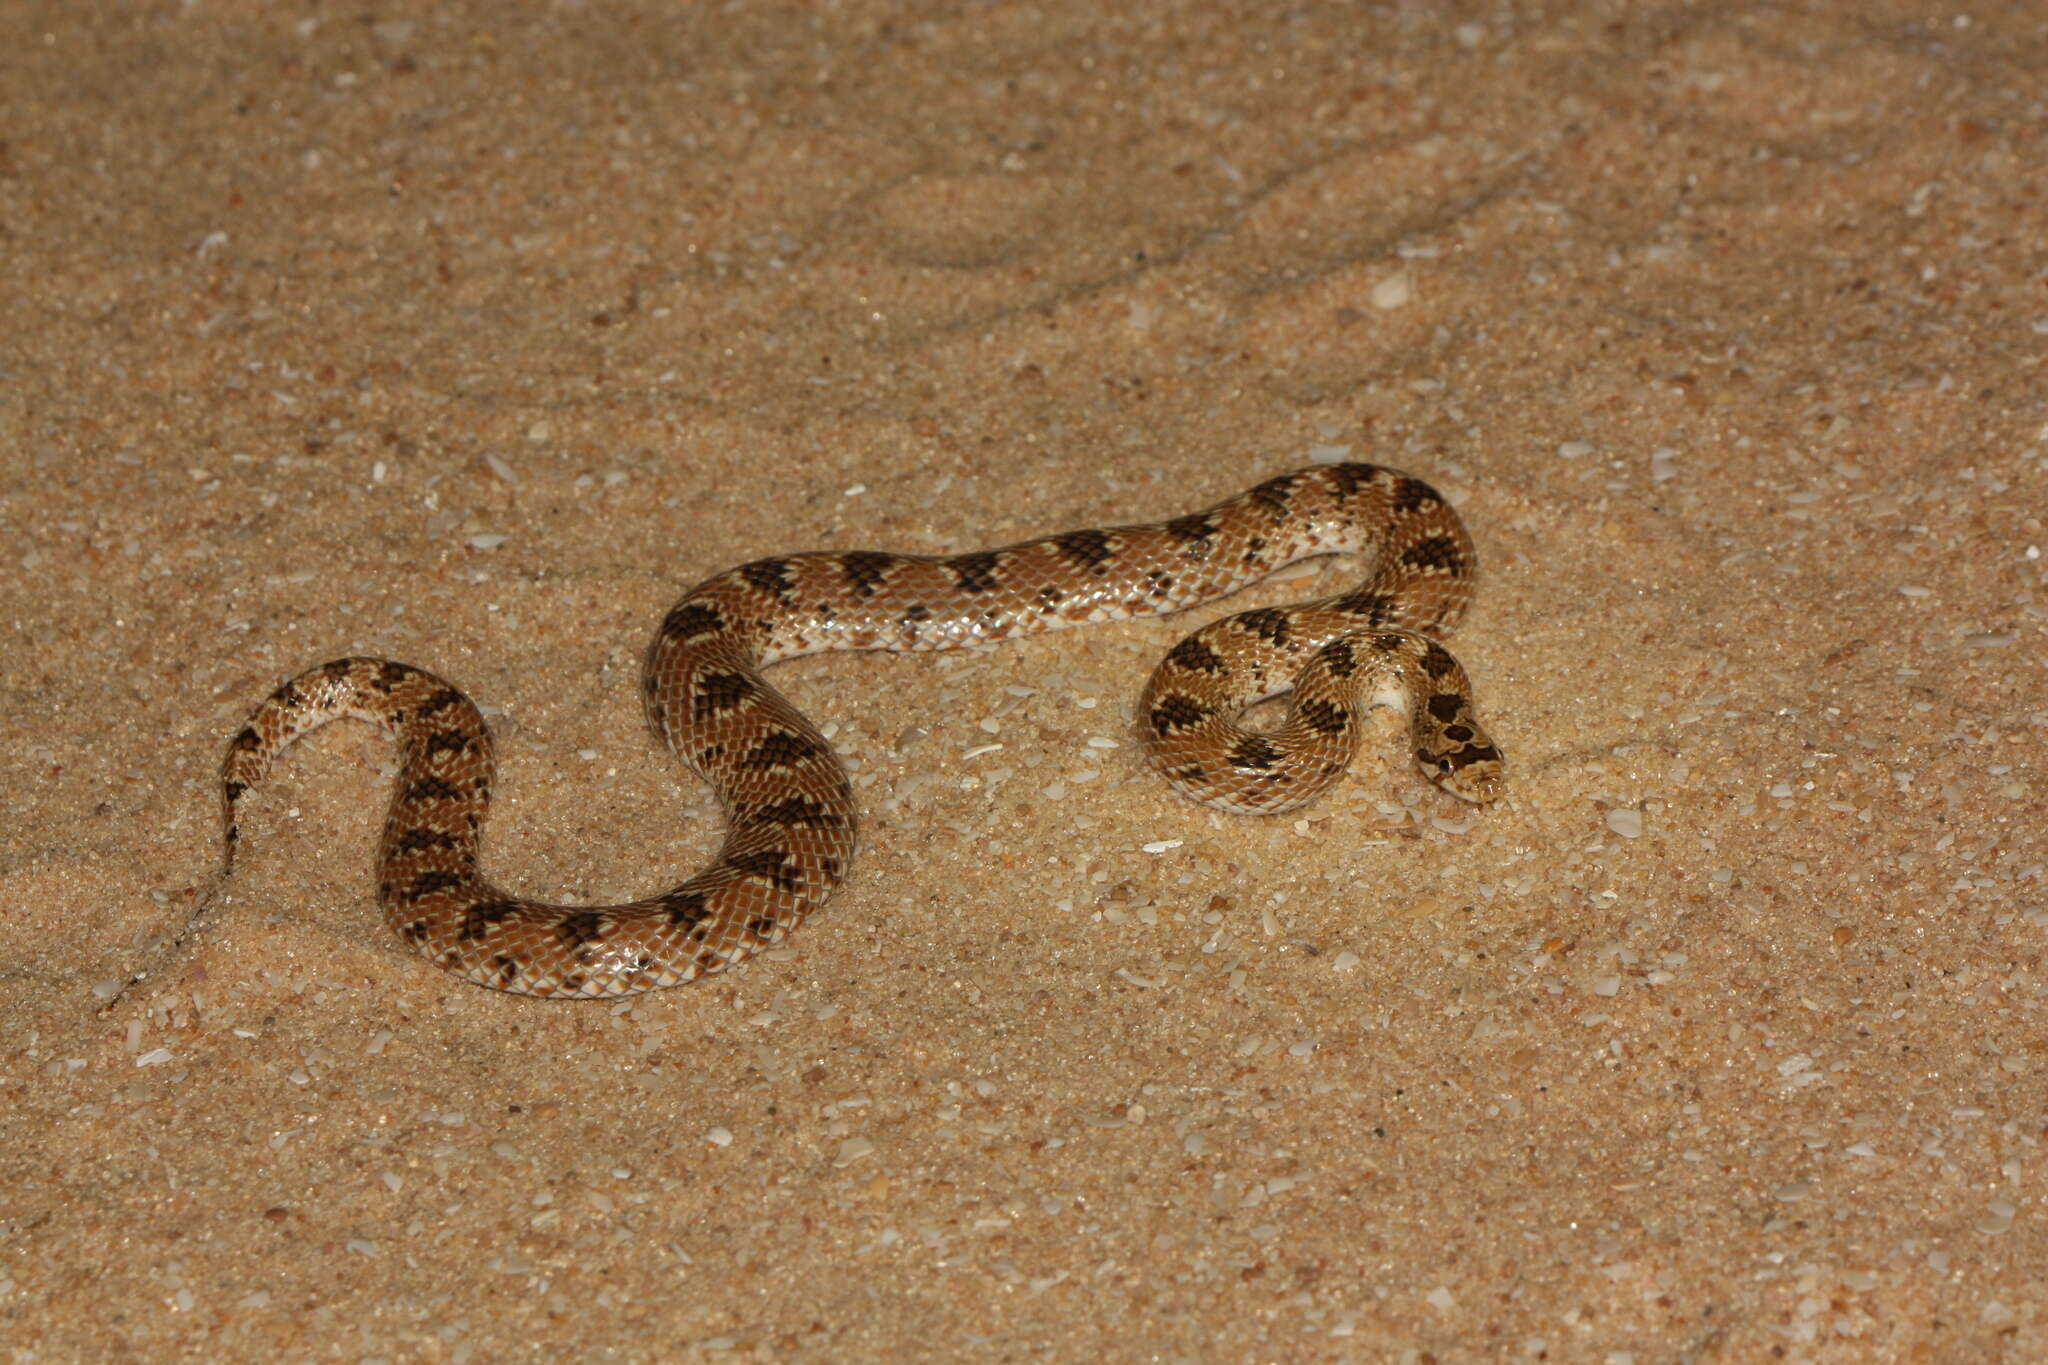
{"points": [[788, 804]]}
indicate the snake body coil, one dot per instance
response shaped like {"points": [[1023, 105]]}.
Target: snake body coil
{"points": [[789, 807]]}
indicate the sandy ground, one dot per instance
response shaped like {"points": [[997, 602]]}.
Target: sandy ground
{"points": [[472, 337]]}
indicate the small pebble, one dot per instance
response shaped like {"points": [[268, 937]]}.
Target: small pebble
{"points": [[1627, 823]]}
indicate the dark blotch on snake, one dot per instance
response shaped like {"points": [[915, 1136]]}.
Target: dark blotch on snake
{"points": [[771, 576], [1275, 493], [1413, 495], [796, 811], [1255, 752], [438, 702], [1440, 553], [1088, 550], [692, 620], [1351, 476], [782, 749], [583, 928], [1337, 656], [1268, 623], [771, 865], [865, 570], [1324, 717], [718, 692], [1176, 712], [686, 909], [1373, 606], [419, 840], [427, 883], [482, 917], [447, 742], [1446, 706], [975, 572], [1194, 656]]}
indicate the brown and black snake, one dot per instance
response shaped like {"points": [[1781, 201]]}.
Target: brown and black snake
{"points": [[789, 807]]}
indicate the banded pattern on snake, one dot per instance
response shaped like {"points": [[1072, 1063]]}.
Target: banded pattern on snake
{"points": [[789, 807]]}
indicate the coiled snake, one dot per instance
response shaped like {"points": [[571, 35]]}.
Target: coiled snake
{"points": [[789, 807]]}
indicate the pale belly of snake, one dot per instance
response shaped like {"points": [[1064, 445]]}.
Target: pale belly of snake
{"points": [[789, 807]]}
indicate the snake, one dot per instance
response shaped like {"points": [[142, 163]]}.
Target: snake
{"points": [[788, 804]]}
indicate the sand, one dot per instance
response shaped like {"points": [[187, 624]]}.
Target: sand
{"points": [[472, 337]]}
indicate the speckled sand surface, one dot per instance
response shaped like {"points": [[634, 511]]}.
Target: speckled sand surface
{"points": [[473, 338]]}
